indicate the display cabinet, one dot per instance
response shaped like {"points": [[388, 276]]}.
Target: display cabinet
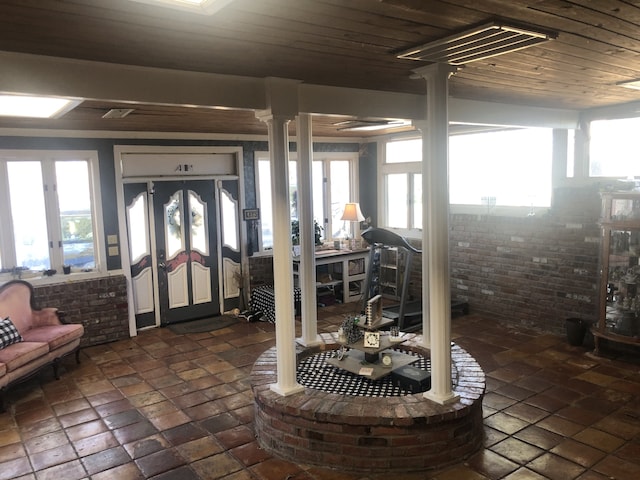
{"points": [[619, 296]]}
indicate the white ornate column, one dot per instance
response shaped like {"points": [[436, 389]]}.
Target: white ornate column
{"points": [[307, 273], [277, 119], [435, 234]]}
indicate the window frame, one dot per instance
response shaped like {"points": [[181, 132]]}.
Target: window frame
{"points": [[48, 159], [326, 158]]}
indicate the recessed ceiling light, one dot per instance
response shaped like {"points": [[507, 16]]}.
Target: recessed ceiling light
{"points": [[35, 106], [205, 7], [634, 84]]}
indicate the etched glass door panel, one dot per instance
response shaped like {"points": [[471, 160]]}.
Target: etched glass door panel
{"points": [[140, 254], [186, 250]]}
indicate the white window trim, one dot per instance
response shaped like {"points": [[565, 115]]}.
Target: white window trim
{"points": [[353, 159], [47, 157]]}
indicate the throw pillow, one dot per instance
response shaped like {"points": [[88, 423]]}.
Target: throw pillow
{"points": [[8, 333]]}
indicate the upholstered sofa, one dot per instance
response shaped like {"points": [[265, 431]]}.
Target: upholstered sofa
{"points": [[30, 337]]}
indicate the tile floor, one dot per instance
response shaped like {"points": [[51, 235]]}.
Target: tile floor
{"points": [[167, 407]]}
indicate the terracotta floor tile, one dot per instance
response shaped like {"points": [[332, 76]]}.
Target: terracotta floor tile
{"points": [[505, 423], [236, 436], [154, 403], [180, 473], [199, 449], [184, 433], [220, 422], [86, 430], [497, 401], [274, 468], [15, 468], [558, 425], [546, 402], [76, 418], [45, 442], [528, 413], [54, 456], [105, 460], [250, 453], [617, 468], [128, 471], [159, 462], [578, 452], [135, 431], [524, 474], [146, 446], [539, 437], [69, 471], [599, 439], [555, 468], [517, 451], [95, 443], [491, 464]]}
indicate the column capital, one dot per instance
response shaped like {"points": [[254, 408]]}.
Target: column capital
{"points": [[268, 116], [434, 70]]}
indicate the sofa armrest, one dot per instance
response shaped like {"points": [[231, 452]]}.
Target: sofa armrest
{"points": [[46, 316]]}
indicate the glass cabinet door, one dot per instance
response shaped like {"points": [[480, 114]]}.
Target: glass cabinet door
{"points": [[623, 301]]}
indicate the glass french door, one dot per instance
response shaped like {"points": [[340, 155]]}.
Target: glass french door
{"points": [[186, 238]]}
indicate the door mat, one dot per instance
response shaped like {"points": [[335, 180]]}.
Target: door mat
{"points": [[203, 325]]}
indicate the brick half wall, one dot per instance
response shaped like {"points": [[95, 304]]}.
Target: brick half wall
{"points": [[99, 304]]}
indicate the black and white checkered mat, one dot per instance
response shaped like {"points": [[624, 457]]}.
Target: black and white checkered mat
{"points": [[315, 372]]}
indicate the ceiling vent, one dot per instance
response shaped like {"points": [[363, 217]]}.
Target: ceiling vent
{"points": [[118, 113], [479, 43]]}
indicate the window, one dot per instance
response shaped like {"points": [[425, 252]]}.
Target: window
{"points": [[497, 168], [613, 148], [334, 170], [51, 219], [402, 184]]}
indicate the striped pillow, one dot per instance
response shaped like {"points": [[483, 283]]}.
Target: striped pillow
{"points": [[8, 333]]}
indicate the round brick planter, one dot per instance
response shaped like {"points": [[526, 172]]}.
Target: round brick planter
{"points": [[352, 433]]}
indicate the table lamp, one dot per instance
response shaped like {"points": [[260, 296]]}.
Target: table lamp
{"points": [[352, 213]]}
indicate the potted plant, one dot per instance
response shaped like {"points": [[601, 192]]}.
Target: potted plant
{"points": [[295, 232]]}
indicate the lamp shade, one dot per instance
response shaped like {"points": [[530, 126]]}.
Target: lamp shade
{"points": [[352, 213]]}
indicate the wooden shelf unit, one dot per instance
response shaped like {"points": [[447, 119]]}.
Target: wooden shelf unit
{"points": [[343, 271]]}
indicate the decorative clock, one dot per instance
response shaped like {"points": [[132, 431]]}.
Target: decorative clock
{"points": [[372, 339]]}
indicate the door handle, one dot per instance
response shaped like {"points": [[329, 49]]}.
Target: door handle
{"points": [[162, 265]]}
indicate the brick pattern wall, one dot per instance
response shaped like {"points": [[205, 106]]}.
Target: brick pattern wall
{"points": [[261, 269], [99, 304], [533, 271]]}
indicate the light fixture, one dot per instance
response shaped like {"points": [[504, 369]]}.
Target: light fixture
{"points": [[205, 7], [33, 106], [486, 41], [352, 213], [633, 84]]}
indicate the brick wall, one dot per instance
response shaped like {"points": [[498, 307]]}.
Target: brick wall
{"points": [[261, 268], [534, 271], [99, 304]]}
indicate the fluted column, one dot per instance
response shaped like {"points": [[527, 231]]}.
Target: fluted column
{"points": [[435, 232], [282, 264], [307, 273]]}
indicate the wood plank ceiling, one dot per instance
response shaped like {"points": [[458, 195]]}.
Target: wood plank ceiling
{"points": [[349, 43]]}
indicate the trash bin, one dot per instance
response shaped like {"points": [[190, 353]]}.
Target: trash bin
{"points": [[576, 329]]}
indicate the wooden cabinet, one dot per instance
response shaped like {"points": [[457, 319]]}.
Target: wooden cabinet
{"points": [[390, 273], [619, 295]]}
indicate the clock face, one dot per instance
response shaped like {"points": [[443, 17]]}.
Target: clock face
{"points": [[372, 339], [386, 360]]}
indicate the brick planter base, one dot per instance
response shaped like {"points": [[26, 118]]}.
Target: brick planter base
{"points": [[362, 434]]}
